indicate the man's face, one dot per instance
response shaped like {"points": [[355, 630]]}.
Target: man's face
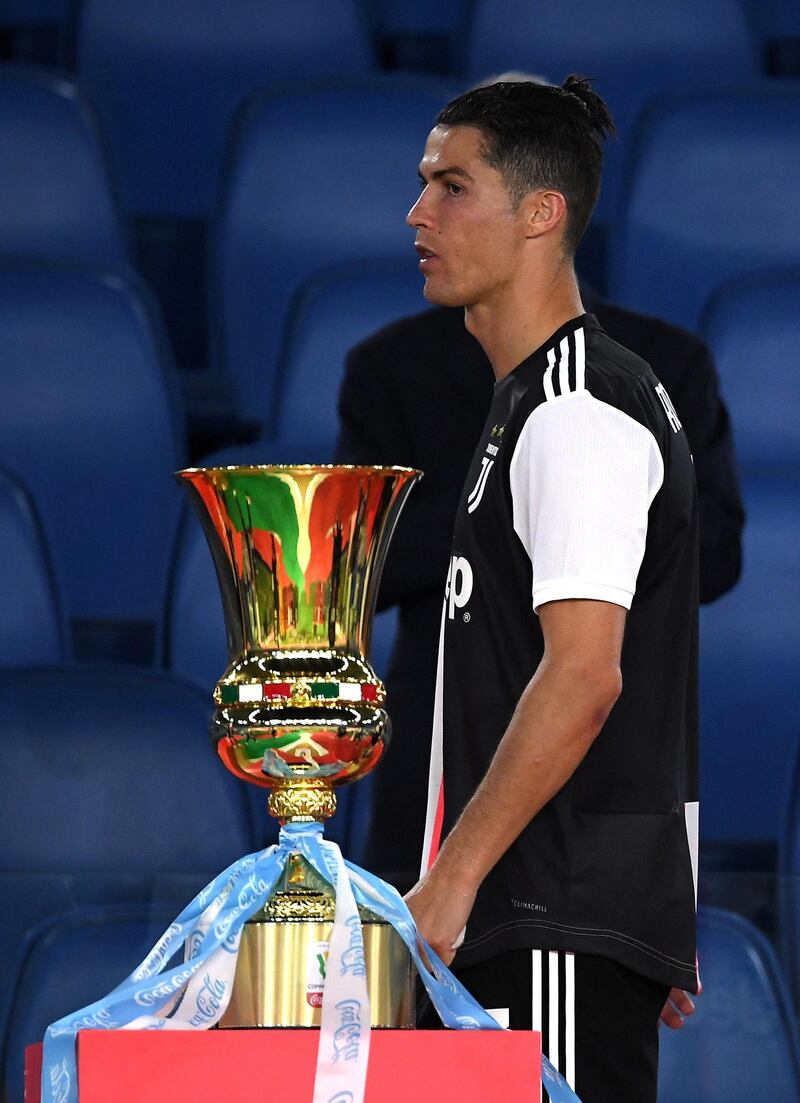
{"points": [[467, 235]]}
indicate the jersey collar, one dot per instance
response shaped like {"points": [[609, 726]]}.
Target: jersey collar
{"points": [[588, 321]]}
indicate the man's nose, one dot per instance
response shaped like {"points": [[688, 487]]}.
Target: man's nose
{"points": [[419, 215]]}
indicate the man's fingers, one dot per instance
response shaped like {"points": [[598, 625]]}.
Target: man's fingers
{"points": [[671, 1017], [676, 1009], [682, 1001]]}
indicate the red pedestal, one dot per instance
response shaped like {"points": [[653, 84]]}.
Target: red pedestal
{"points": [[277, 1066]]}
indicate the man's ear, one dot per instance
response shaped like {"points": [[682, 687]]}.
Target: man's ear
{"points": [[544, 212]]}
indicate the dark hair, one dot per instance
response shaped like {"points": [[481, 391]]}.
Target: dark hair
{"points": [[541, 136]]}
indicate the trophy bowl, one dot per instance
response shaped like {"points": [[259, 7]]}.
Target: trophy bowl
{"points": [[298, 552]]}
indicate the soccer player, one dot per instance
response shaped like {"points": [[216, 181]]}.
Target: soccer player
{"points": [[564, 752]]}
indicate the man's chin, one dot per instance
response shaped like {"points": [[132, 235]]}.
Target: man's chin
{"points": [[441, 296]]}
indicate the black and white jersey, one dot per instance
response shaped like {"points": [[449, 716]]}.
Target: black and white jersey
{"points": [[582, 486]]}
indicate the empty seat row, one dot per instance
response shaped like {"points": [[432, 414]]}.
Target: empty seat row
{"points": [[280, 226], [114, 796], [92, 420], [112, 793]]}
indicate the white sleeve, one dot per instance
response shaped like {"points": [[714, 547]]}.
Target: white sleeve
{"points": [[583, 475]]}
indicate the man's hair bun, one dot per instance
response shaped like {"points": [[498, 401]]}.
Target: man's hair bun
{"points": [[599, 118]]}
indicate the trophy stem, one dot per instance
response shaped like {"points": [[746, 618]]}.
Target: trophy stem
{"points": [[302, 802]]}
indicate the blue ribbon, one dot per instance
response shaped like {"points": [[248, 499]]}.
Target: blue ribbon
{"points": [[191, 995]]}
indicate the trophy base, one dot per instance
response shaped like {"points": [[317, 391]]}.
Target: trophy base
{"points": [[280, 975]]}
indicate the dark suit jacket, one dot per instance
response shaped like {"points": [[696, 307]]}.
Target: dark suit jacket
{"points": [[417, 393]]}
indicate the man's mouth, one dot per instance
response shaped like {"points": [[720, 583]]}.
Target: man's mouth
{"points": [[426, 256]]}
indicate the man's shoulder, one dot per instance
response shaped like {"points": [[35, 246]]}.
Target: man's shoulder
{"points": [[586, 364], [586, 358], [609, 359], [435, 325], [420, 344], [667, 348]]}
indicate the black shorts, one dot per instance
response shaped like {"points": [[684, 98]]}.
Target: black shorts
{"points": [[598, 1019]]}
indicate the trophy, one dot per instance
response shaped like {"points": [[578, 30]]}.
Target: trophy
{"points": [[298, 552]]}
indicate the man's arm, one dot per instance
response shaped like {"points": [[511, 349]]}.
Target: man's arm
{"points": [[555, 723], [708, 428], [685, 366]]}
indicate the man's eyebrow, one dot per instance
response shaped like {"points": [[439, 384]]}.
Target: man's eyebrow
{"points": [[453, 170]]}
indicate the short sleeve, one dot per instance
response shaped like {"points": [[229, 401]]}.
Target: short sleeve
{"points": [[583, 476]]}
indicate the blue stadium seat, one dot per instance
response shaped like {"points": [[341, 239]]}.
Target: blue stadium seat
{"points": [[750, 690], [335, 310], [33, 12], [751, 326], [56, 196], [31, 630], [419, 16], [683, 230], [634, 51], [420, 35], [90, 421], [789, 880], [279, 223], [195, 647], [67, 962], [741, 1043], [113, 794], [774, 19], [168, 75], [750, 639]]}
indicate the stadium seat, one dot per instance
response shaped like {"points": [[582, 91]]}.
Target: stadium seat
{"points": [[741, 1043], [749, 688], [114, 794], [87, 952], [751, 327], [31, 631], [634, 51], [168, 75], [750, 639], [35, 31], [335, 310], [777, 27], [90, 421], [420, 35], [419, 16], [281, 219], [56, 196], [709, 197], [775, 18], [789, 880], [33, 12]]}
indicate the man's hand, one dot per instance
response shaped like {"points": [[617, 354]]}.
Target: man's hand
{"points": [[677, 1009], [441, 905]]}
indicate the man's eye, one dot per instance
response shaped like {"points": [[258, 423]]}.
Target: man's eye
{"points": [[454, 189]]}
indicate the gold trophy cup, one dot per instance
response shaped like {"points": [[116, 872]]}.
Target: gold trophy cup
{"points": [[298, 552]]}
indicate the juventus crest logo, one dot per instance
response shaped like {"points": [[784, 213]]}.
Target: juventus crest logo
{"points": [[475, 495]]}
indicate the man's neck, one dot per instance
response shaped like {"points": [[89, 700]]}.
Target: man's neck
{"points": [[522, 318]]}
